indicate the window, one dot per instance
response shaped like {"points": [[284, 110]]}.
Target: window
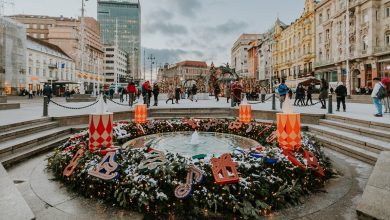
{"points": [[35, 26], [328, 14], [327, 34], [320, 37], [365, 43], [387, 11], [320, 18], [42, 26], [387, 39], [365, 16], [42, 36]]}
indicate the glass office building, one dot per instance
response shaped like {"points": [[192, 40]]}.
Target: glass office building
{"points": [[124, 18]]}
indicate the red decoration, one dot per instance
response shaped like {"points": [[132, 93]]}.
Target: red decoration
{"points": [[291, 157], [190, 123], [140, 113], [272, 137], [289, 130], [224, 170], [235, 125], [265, 130], [312, 162], [184, 190], [73, 163], [100, 131]]}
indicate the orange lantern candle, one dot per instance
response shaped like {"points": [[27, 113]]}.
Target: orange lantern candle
{"points": [[245, 113], [100, 131], [140, 113], [289, 130]]}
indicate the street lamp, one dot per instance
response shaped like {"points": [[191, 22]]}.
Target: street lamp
{"points": [[151, 58], [82, 89]]}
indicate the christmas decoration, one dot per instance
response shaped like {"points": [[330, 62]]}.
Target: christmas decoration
{"points": [[312, 162], [152, 161], [184, 190], [289, 130], [140, 113], [235, 125], [100, 131], [73, 163], [245, 113], [224, 169], [272, 137], [106, 168]]}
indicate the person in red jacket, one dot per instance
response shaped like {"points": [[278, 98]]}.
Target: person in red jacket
{"points": [[131, 90]]}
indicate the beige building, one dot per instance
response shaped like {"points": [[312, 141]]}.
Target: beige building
{"points": [[183, 71], [239, 54], [293, 47], [369, 37], [66, 34]]}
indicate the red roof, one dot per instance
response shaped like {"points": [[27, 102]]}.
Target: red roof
{"points": [[193, 63]]}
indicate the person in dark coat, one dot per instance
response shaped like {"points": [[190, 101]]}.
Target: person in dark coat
{"points": [[156, 92], [217, 90], [177, 94], [300, 95], [324, 90], [309, 93], [341, 93], [111, 93], [194, 91], [47, 92]]}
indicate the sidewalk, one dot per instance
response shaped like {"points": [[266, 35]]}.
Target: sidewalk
{"points": [[33, 109]]}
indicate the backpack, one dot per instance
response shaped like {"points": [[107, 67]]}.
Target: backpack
{"points": [[382, 93]]}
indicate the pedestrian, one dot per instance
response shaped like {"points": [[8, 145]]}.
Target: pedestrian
{"points": [[324, 90], [171, 94], [47, 92], [377, 95], [30, 94], [300, 95], [386, 100], [131, 90], [263, 92], [121, 94], [331, 90], [111, 93], [156, 92], [232, 96], [227, 92], [309, 93], [282, 90], [237, 93], [194, 92], [341, 93], [177, 94], [146, 90], [217, 90]]}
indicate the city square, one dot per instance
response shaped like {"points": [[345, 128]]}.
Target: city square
{"points": [[125, 112]]}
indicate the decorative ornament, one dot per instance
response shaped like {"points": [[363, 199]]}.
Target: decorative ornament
{"points": [[100, 131], [266, 128], [106, 168], [169, 124], [250, 128], [207, 126], [140, 113], [184, 190], [312, 162], [272, 137], [139, 126], [153, 160], [120, 132], [68, 171], [235, 125], [224, 169], [292, 158], [190, 123], [245, 113], [289, 130], [151, 124]]}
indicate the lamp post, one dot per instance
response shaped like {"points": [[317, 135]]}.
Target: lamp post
{"points": [[151, 58], [82, 89], [347, 83]]}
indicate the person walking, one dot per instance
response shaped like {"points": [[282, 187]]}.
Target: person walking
{"points": [[377, 95], [177, 94], [309, 93], [263, 92], [217, 90], [227, 92], [324, 90], [145, 93], [194, 92], [341, 93], [282, 90], [30, 94], [131, 90], [300, 95], [386, 100], [47, 92], [111, 93], [156, 92], [237, 91], [171, 94]]}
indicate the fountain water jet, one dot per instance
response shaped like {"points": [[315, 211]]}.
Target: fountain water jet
{"points": [[195, 139]]}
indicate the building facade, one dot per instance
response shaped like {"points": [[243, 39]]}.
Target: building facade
{"points": [[294, 47], [253, 59], [183, 71], [65, 33], [115, 64], [369, 41], [121, 20], [12, 57], [47, 63], [265, 57], [239, 54]]}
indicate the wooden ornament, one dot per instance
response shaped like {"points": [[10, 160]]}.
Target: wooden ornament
{"points": [[235, 125], [272, 137], [194, 174], [224, 170], [153, 160], [68, 171], [292, 158], [106, 168], [289, 130], [312, 162]]}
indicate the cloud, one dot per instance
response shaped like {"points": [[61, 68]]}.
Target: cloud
{"points": [[165, 28], [187, 8], [231, 27], [173, 55], [160, 15]]}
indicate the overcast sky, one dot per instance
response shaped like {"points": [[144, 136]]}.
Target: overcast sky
{"points": [[175, 30]]}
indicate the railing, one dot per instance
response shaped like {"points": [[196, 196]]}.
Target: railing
{"points": [[381, 49], [50, 65], [324, 63]]}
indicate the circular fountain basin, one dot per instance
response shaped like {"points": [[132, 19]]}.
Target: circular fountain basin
{"points": [[180, 142]]}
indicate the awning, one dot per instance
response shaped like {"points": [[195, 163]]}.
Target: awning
{"points": [[64, 82]]}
